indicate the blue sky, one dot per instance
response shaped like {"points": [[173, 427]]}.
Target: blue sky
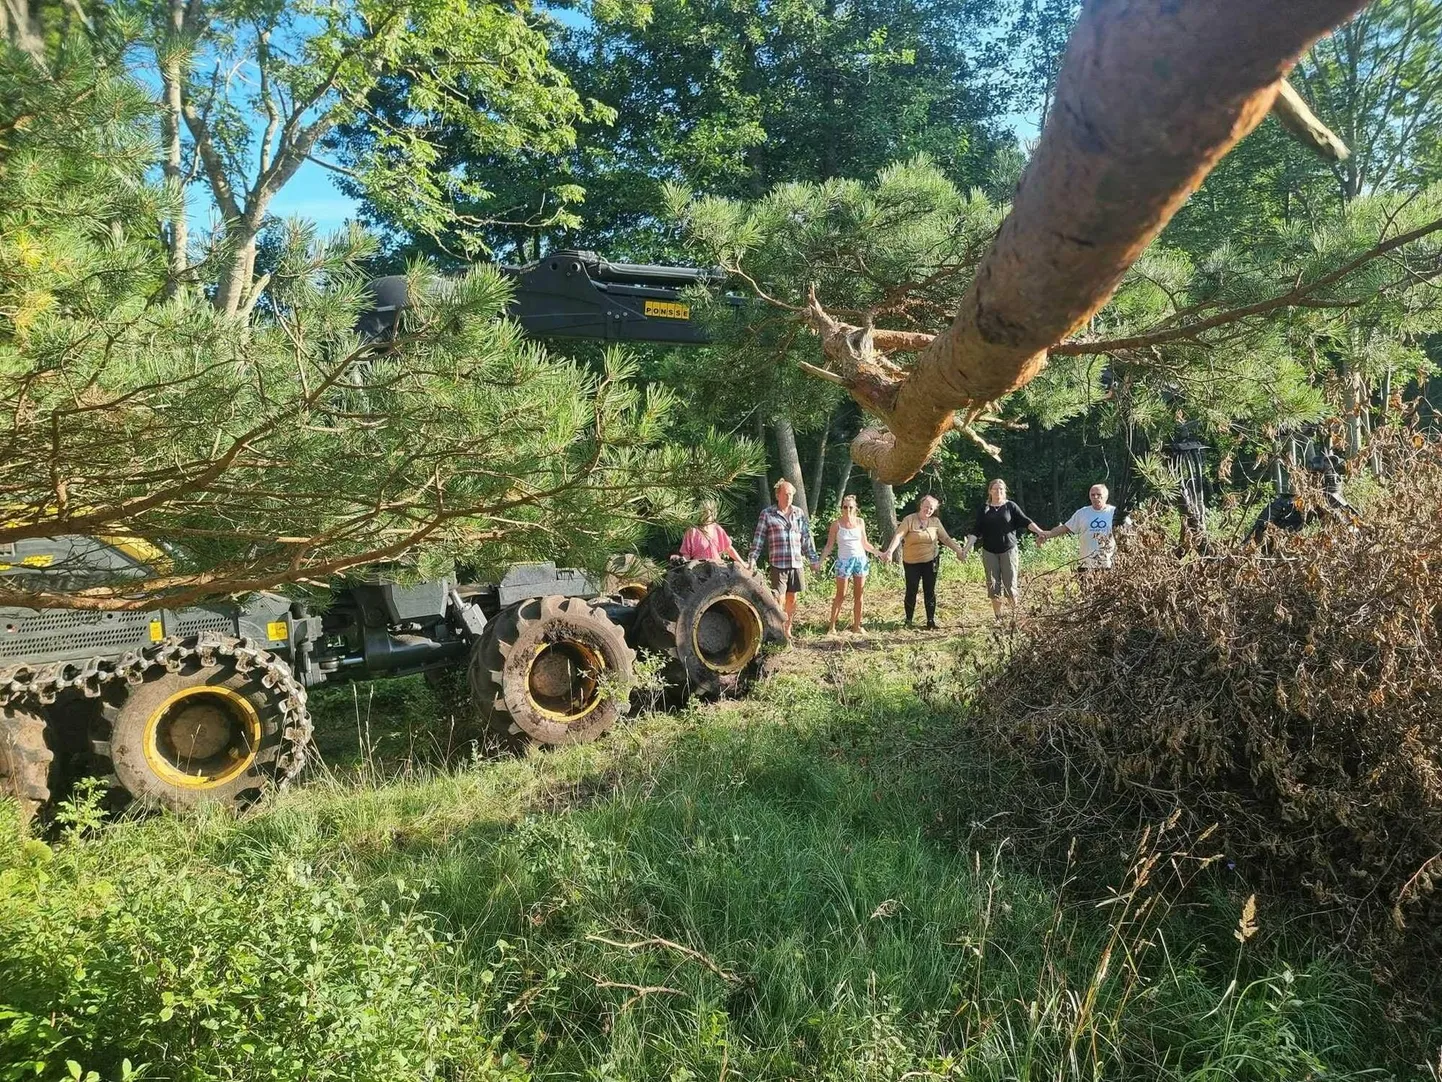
{"points": [[312, 194]]}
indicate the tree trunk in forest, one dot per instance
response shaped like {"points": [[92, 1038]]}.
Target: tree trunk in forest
{"points": [[1055, 476], [885, 500], [763, 481], [1354, 403], [790, 460], [844, 479], [1149, 99], [177, 238], [239, 272], [817, 487]]}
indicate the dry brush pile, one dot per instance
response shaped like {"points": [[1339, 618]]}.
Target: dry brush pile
{"points": [[1292, 697]]}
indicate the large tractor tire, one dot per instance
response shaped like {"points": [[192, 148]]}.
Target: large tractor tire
{"points": [[203, 720], [551, 671], [25, 760], [712, 621]]}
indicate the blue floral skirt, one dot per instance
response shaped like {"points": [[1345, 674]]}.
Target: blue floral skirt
{"points": [[852, 565]]}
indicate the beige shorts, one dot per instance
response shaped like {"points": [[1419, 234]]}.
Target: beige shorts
{"points": [[1001, 572]]}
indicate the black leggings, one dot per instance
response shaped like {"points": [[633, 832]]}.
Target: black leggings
{"points": [[921, 575]]}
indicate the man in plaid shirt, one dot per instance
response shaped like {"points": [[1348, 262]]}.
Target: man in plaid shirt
{"points": [[785, 530]]}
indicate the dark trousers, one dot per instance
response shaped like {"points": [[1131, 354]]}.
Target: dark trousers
{"points": [[923, 575]]}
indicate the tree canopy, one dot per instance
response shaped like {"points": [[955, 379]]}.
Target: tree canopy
{"points": [[282, 447]]}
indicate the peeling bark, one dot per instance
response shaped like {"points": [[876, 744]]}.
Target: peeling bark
{"points": [[1150, 97]]}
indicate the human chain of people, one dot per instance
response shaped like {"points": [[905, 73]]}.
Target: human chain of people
{"points": [[783, 539]]}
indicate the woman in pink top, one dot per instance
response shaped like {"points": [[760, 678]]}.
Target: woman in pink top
{"points": [[708, 541]]}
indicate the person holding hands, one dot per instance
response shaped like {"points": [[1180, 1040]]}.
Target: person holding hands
{"points": [[708, 540], [920, 536], [783, 533], [848, 537], [998, 526], [1094, 527]]}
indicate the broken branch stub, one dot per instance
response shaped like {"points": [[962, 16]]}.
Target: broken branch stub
{"points": [[1151, 95]]}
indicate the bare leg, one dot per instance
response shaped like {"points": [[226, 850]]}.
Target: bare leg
{"points": [[858, 584], [789, 605], [836, 604]]}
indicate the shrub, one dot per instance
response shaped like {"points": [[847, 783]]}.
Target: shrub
{"points": [[157, 965], [1289, 694]]}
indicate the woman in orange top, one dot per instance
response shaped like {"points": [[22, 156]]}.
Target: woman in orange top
{"points": [[920, 536]]}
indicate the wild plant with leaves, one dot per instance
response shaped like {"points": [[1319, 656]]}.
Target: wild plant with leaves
{"points": [[284, 448]]}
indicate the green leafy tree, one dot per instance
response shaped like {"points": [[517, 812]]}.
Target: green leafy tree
{"points": [[288, 449], [252, 90], [733, 98], [1378, 83]]}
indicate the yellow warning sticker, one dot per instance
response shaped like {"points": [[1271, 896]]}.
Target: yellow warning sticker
{"points": [[157, 632], [44, 559], [668, 309], [276, 631]]}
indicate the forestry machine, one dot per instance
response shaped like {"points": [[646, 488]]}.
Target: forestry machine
{"points": [[174, 707]]}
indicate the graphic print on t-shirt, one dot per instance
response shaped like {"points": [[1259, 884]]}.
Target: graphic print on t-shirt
{"points": [[1093, 529]]}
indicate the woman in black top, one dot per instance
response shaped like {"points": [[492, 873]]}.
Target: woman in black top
{"points": [[998, 525]]}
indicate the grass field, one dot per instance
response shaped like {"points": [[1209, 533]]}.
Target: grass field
{"points": [[822, 882]]}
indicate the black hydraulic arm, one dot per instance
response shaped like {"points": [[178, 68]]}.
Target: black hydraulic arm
{"points": [[573, 294]]}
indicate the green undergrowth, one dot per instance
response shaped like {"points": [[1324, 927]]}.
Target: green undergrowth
{"points": [[808, 885]]}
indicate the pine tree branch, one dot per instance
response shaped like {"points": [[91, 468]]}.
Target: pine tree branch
{"points": [[1298, 296]]}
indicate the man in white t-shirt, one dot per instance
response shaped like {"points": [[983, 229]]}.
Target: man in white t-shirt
{"points": [[1093, 528]]}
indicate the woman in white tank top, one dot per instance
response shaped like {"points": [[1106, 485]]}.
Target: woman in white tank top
{"points": [[848, 537]]}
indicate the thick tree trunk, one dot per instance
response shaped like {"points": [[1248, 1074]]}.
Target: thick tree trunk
{"points": [[177, 237], [1150, 97], [885, 500], [177, 240], [790, 459], [239, 270]]}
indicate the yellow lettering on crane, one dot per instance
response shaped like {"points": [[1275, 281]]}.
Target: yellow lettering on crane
{"points": [[668, 309]]}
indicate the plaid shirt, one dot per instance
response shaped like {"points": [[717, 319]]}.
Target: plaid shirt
{"points": [[787, 538]]}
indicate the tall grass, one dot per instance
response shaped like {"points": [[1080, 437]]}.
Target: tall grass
{"points": [[809, 885]]}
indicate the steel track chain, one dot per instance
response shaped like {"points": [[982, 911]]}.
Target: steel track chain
{"points": [[44, 683]]}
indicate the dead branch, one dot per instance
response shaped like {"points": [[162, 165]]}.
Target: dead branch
{"points": [[641, 991], [657, 941], [1294, 115]]}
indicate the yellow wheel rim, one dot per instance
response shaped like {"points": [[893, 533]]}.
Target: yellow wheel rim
{"points": [[202, 737], [727, 634], [563, 681]]}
